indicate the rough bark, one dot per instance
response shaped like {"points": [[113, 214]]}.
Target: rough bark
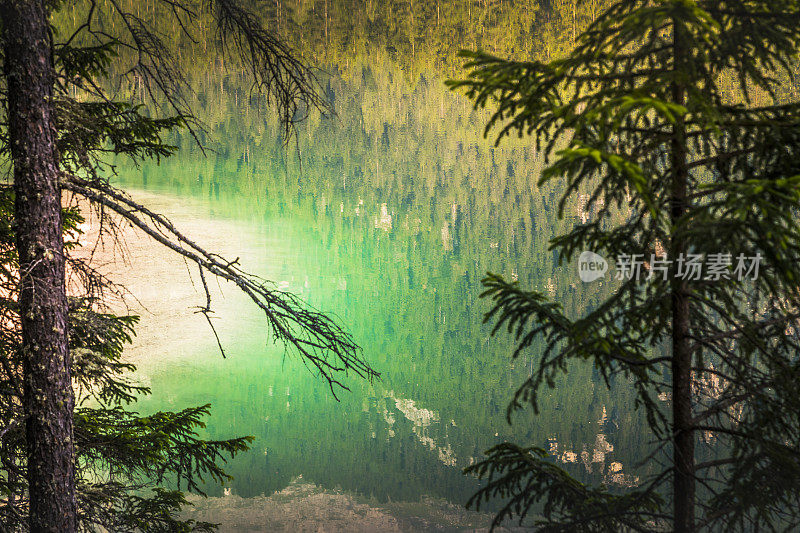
{"points": [[683, 435], [48, 394]]}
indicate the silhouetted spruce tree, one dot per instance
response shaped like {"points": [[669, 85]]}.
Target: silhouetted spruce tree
{"points": [[60, 121], [669, 115]]}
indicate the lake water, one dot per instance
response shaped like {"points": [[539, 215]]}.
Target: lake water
{"points": [[386, 216]]}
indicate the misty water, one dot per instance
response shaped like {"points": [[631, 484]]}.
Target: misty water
{"points": [[386, 216]]}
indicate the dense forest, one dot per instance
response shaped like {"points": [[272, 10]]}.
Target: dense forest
{"points": [[422, 37]]}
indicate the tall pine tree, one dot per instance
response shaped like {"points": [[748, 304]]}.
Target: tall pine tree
{"points": [[669, 117]]}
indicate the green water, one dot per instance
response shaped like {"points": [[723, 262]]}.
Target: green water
{"points": [[387, 216]]}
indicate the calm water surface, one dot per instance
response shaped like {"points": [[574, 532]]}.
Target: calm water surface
{"points": [[387, 216]]}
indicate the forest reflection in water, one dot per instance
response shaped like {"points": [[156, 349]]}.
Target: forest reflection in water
{"points": [[388, 216]]}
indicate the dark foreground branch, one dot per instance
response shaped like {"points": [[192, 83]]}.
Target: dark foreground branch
{"points": [[320, 341], [287, 83]]}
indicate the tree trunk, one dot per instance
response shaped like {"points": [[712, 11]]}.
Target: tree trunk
{"points": [[683, 435], [48, 395]]}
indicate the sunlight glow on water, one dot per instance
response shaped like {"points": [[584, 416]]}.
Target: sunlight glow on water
{"points": [[389, 223]]}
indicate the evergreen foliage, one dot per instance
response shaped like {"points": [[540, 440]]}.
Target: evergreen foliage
{"points": [[643, 119], [120, 458], [123, 458]]}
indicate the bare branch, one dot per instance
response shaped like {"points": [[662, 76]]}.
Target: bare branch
{"points": [[320, 341]]}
